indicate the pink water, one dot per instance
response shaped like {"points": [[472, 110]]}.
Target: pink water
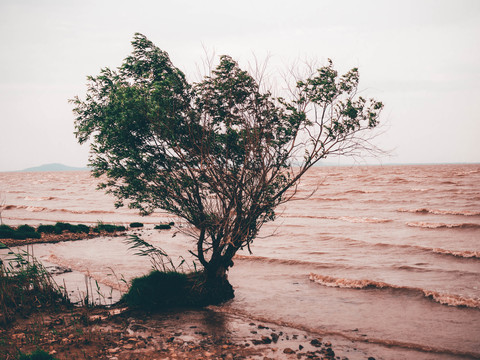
{"points": [[386, 259]]}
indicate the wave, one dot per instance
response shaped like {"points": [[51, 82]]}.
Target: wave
{"points": [[45, 209], [427, 225], [440, 212], [350, 219], [444, 299], [328, 199], [282, 261], [31, 198], [458, 253], [421, 189]]}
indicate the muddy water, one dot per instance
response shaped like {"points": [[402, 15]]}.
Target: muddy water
{"points": [[386, 257]]}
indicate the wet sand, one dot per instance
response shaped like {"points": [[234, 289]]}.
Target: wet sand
{"points": [[82, 333]]}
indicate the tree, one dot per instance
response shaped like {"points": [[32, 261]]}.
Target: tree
{"points": [[220, 153]]}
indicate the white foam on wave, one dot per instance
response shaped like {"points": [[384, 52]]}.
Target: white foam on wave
{"points": [[444, 299], [441, 212], [427, 225]]}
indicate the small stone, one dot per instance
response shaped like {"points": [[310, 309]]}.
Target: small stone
{"points": [[300, 347], [178, 342], [371, 358], [129, 346], [71, 336], [266, 340], [274, 337], [114, 350], [53, 352], [316, 342], [288, 351]]}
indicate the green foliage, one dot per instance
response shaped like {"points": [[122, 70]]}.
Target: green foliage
{"points": [[136, 225], [6, 233], [61, 226], [158, 290], [36, 355], [47, 229], [158, 258], [81, 228], [25, 285], [26, 229], [21, 233], [221, 153], [162, 290]]}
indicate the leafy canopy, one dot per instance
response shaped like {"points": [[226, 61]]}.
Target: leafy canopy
{"points": [[219, 153]]}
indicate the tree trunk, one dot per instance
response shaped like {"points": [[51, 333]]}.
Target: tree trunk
{"points": [[217, 289]]}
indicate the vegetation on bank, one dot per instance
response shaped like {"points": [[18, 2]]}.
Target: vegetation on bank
{"points": [[25, 286], [23, 232]]}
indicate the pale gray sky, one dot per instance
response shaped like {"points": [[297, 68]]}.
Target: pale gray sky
{"points": [[421, 58]]}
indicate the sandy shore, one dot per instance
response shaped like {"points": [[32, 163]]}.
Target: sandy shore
{"points": [[118, 333]]}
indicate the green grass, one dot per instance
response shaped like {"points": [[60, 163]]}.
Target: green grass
{"points": [[136, 225], [25, 285], [36, 355]]}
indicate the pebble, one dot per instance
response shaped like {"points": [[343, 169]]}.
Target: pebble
{"points": [[288, 351]]}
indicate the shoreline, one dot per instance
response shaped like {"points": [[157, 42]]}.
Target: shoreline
{"points": [[119, 334]]}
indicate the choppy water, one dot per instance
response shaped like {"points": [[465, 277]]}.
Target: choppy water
{"points": [[387, 257]]}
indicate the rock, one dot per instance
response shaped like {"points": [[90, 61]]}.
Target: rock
{"points": [[288, 351], [18, 336], [178, 342], [129, 346], [274, 337], [316, 342], [266, 340], [300, 347], [114, 350]]}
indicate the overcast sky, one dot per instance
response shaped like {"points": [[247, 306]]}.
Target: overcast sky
{"points": [[421, 58]]}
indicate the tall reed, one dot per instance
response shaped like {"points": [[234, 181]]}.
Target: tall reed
{"points": [[26, 285]]}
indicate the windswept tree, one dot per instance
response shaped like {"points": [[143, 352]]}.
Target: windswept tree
{"points": [[221, 154]]}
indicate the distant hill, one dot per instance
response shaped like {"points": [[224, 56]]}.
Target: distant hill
{"points": [[54, 167]]}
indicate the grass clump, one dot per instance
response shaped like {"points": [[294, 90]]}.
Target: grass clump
{"points": [[47, 229], [26, 229], [166, 287], [136, 225], [109, 228], [21, 233], [163, 227], [6, 232], [36, 355], [158, 290], [25, 285]]}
